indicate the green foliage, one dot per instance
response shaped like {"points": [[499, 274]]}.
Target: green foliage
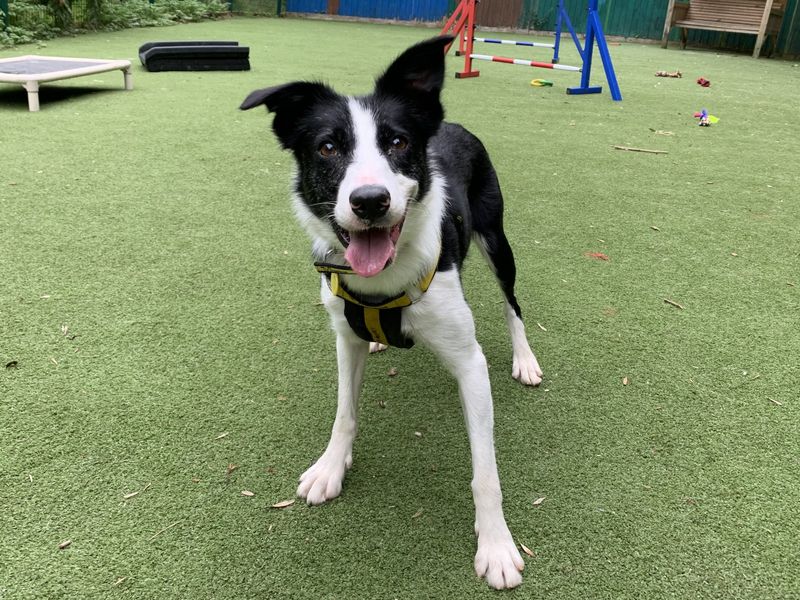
{"points": [[62, 13], [114, 14], [31, 21]]}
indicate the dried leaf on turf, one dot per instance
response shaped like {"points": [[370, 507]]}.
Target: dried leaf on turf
{"points": [[130, 495], [774, 401], [12, 364], [230, 469], [283, 504], [118, 581], [221, 435], [654, 228], [248, 493], [624, 381], [597, 255], [392, 372], [65, 544], [418, 513], [538, 501], [541, 326], [526, 550]]}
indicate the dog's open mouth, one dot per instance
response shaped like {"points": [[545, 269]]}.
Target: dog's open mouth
{"points": [[370, 251]]}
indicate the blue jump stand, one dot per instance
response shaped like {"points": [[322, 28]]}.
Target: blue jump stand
{"points": [[594, 34]]}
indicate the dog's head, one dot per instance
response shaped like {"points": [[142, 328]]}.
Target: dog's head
{"points": [[362, 160]]}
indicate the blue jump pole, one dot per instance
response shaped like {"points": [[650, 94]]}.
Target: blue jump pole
{"points": [[594, 33], [557, 44]]}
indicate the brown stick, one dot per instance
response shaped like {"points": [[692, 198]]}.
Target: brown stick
{"points": [[673, 303], [630, 149], [160, 531]]}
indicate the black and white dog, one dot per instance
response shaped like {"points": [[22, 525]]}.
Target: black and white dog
{"points": [[392, 196]]}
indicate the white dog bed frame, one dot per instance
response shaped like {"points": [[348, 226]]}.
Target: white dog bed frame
{"points": [[30, 71]]}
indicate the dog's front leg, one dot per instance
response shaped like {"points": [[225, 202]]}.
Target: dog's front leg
{"points": [[323, 481], [497, 558], [443, 322]]}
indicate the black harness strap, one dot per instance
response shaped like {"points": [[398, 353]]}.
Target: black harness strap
{"points": [[377, 324], [371, 319]]}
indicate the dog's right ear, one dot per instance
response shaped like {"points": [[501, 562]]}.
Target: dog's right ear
{"points": [[289, 102]]}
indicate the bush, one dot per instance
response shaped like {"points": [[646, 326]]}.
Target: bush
{"points": [[32, 21], [117, 14], [29, 22]]}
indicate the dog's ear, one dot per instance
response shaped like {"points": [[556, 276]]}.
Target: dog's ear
{"points": [[289, 102], [416, 78], [417, 72]]}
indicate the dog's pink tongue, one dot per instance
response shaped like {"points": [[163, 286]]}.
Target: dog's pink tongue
{"points": [[369, 251]]}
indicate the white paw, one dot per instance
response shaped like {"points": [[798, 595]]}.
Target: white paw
{"points": [[499, 561], [525, 368], [323, 481], [376, 347]]}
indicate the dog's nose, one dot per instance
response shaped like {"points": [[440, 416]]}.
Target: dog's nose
{"points": [[370, 202]]}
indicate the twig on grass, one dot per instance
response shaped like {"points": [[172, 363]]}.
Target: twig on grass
{"points": [[746, 381], [774, 401], [630, 149], [160, 531], [673, 303], [136, 493]]}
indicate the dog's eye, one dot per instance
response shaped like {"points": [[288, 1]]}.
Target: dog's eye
{"points": [[399, 143], [327, 150]]}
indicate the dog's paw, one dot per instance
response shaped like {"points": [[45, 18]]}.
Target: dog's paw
{"points": [[525, 368], [499, 561], [377, 347], [323, 481]]}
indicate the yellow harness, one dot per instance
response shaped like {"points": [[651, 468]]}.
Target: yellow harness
{"points": [[373, 319]]}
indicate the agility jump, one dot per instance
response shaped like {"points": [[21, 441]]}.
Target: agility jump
{"points": [[461, 24]]}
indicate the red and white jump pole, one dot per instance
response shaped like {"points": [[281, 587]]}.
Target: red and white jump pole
{"points": [[526, 63]]}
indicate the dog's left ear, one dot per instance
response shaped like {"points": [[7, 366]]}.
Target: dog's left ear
{"points": [[418, 73], [289, 102]]}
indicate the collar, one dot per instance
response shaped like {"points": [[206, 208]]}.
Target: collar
{"points": [[332, 272]]}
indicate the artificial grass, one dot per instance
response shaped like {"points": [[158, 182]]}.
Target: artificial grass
{"points": [[154, 226]]}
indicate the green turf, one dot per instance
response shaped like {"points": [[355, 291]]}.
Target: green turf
{"points": [[153, 226]]}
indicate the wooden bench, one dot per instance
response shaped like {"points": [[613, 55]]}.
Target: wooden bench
{"points": [[758, 17]]}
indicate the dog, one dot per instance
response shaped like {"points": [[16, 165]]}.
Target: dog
{"points": [[392, 196]]}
